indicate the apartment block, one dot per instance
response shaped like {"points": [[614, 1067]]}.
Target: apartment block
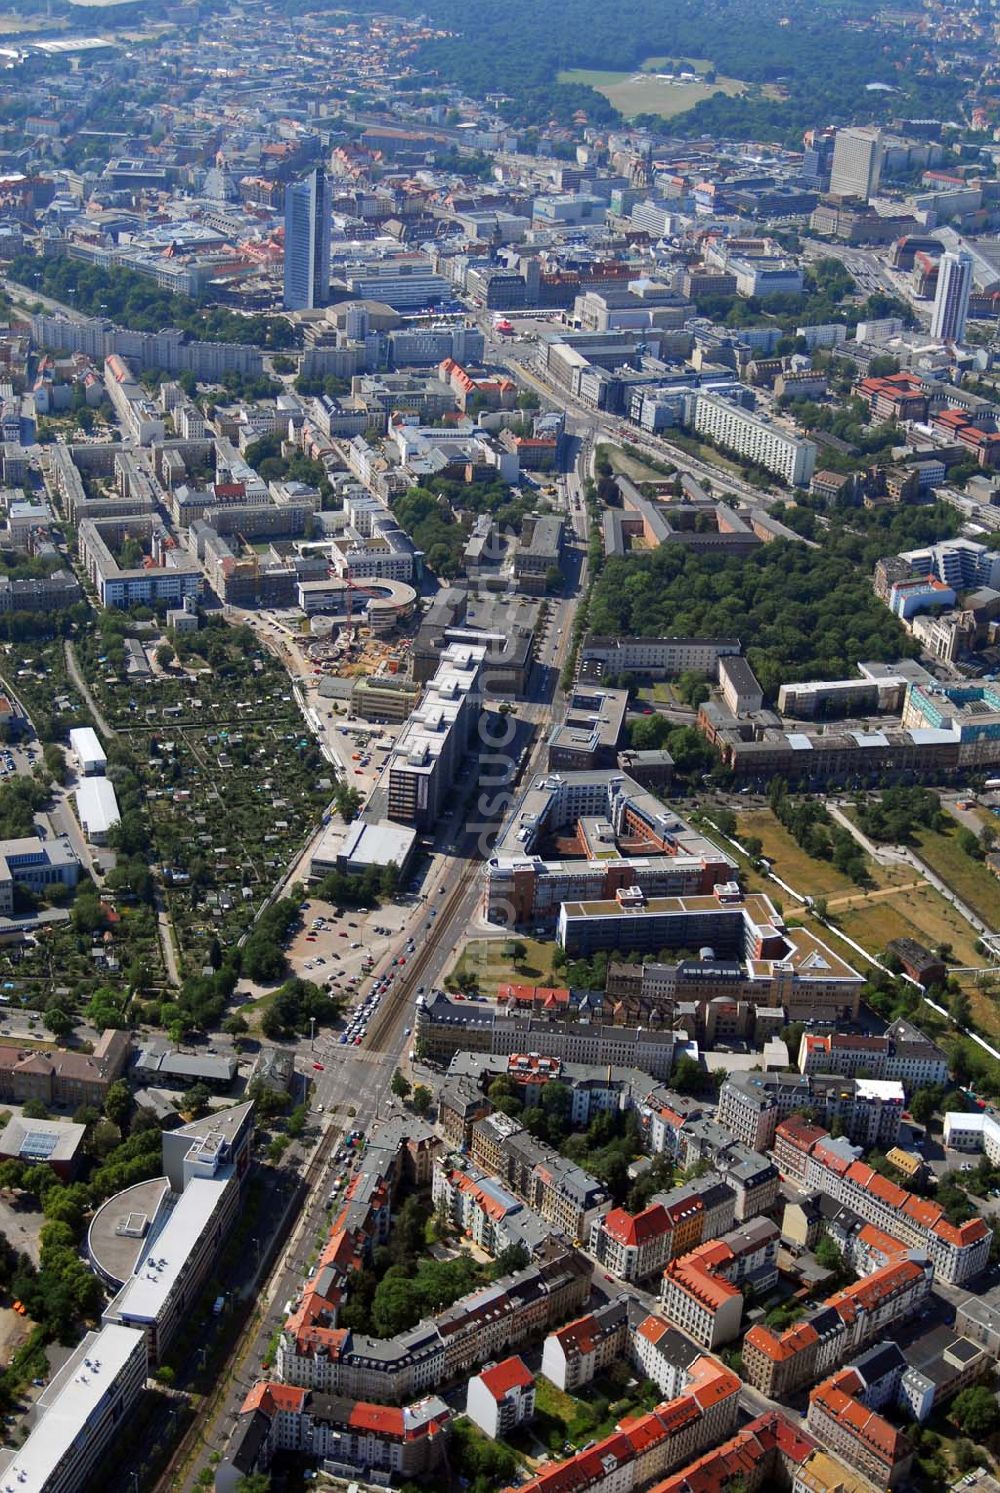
{"points": [[780, 1364], [635, 1246], [445, 1027], [649, 1446], [133, 406], [902, 1054], [348, 1436], [575, 1353], [425, 760], [169, 575], [701, 1293], [804, 1153], [700, 1303], [557, 1189], [501, 1397], [752, 1105], [787, 455], [858, 1435], [770, 1452], [485, 1211], [314, 1353]]}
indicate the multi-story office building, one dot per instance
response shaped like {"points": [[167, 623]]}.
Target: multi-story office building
{"points": [[79, 1415], [857, 163], [660, 658], [36, 864], [782, 966], [197, 1200], [424, 763], [787, 455], [307, 242], [951, 301], [660, 852]]}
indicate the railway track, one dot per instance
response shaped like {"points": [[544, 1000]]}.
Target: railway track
{"points": [[397, 996]]}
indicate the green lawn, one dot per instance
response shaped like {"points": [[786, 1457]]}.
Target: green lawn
{"points": [[577, 1419], [643, 92], [490, 962], [627, 464]]}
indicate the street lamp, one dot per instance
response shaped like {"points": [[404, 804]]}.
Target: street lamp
{"points": [[312, 1032]]}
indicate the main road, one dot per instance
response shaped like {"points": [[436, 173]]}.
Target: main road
{"points": [[350, 1085]]}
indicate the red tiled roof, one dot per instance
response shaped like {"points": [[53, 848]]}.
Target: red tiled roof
{"points": [[384, 1420], [274, 1397], [637, 1228], [512, 1373]]}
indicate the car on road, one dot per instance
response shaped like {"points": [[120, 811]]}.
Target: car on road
{"points": [[319, 1067]]}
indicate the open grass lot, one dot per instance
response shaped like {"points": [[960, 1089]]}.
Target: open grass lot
{"points": [[806, 875], [627, 464], [11, 23], [985, 1003], [898, 905], [489, 961], [971, 880], [919, 913], [644, 93], [577, 1419]]}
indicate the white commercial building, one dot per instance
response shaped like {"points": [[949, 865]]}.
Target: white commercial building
{"points": [[97, 809], [974, 1133], [789, 456], [84, 743], [81, 1411], [857, 163]]}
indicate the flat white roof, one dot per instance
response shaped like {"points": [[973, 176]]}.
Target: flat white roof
{"points": [[378, 844], [145, 1295], [97, 806], [78, 1394], [881, 1088], [86, 744]]}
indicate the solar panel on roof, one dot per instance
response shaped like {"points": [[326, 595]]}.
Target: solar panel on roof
{"points": [[38, 1145]]}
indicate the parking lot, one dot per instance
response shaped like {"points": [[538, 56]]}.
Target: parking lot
{"points": [[342, 951]]}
